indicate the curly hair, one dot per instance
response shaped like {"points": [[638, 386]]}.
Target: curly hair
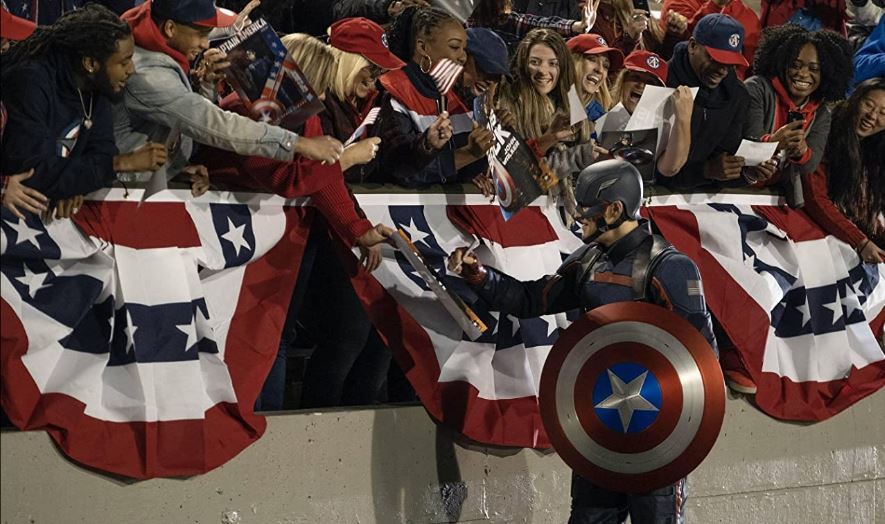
{"points": [[779, 47], [412, 23], [91, 31], [859, 188]]}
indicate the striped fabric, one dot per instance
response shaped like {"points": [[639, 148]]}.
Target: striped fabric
{"points": [[445, 73]]}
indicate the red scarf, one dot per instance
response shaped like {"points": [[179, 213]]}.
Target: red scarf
{"points": [[784, 104], [147, 35]]}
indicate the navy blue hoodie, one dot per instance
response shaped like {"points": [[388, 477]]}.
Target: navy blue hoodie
{"points": [[45, 130]]}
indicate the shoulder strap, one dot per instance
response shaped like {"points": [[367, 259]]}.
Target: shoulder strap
{"points": [[582, 261], [652, 252]]}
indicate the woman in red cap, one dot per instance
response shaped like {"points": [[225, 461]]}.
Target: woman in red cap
{"points": [[594, 61], [362, 55], [642, 68]]}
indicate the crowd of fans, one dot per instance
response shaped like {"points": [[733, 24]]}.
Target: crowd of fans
{"points": [[98, 93]]}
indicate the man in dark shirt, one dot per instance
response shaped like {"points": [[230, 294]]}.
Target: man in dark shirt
{"points": [[707, 61], [56, 87]]}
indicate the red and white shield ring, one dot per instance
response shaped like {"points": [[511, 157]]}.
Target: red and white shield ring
{"points": [[632, 397]]}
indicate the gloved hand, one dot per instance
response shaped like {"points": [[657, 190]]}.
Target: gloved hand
{"points": [[466, 264], [570, 160]]}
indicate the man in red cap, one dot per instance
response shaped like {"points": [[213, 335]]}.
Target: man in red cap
{"points": [[169, 35], [707, 61]]}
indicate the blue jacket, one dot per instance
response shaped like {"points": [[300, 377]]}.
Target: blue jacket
{"points": [[869, 61], [675, 284], [45, 130]]}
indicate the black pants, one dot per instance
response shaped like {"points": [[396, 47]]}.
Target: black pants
{"points": [[594, 505], [350, 362]]}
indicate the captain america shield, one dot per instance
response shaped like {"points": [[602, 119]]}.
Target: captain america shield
{"points": [[632, 397]]}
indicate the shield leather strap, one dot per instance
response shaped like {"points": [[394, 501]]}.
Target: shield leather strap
{"points": [[632, 397]]}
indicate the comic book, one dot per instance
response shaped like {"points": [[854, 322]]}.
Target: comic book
{"points": [[266, 78], [639, 147], [518, 175]]}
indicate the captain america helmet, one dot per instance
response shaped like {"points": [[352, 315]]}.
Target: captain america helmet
{"points": [[606, 182]]}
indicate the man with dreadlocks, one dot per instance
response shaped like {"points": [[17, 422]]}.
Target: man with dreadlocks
{"points": [[57, 86], [169, 36]]}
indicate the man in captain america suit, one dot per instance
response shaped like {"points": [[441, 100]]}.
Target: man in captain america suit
{"points": [[620, 261]]}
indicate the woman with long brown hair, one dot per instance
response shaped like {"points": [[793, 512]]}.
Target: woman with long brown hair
{"points": [[542, 73]]}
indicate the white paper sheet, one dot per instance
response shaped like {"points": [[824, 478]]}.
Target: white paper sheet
{"points": [[575, 107], [655, 111], [755, 153]]}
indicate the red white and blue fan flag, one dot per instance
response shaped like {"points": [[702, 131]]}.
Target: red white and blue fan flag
{"points": [[486, 389], [140, 336], [804, 313]]}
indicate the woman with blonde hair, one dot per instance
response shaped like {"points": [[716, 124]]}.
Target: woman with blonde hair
{"points": [[640, 69], [358, 44], [594, 61], [331, 378], [537, 96]]}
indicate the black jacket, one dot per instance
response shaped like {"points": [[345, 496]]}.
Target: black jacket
{"points": [[716, 123], [374, 10], [45, 130], [562, 8]]}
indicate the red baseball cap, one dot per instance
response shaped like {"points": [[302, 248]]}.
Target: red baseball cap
{"points": [[13, 27], [364, 37], [647, 62], [593, 44]]}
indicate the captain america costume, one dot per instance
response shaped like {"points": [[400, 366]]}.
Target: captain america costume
{"points": [[637, 266]]}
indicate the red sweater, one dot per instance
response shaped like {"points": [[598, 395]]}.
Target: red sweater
{"points": [[819, 207], [300, 177]]}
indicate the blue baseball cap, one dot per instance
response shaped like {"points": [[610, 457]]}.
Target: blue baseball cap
{"points": [[723, 38], [193, 12], [488, 51]]}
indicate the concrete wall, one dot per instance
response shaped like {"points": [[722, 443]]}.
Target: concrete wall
{"points": [[394, 465]]}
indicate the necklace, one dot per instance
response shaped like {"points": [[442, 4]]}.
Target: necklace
{"points": [[87, 116]]}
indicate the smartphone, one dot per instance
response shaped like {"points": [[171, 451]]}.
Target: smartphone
{"points": [[641, 5], [794, 116]]}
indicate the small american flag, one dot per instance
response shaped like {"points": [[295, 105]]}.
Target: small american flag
{"points": [[369, 120], [445, 73]]}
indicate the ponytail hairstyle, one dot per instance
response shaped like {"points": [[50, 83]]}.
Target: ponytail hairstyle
{"points": [[856, 181], [414, 23], [91, 31]]}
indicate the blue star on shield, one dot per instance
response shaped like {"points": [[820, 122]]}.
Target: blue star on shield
{"points": [[627, 398]]}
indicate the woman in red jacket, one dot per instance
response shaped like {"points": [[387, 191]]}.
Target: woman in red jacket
{"points": [[846, 195]]}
